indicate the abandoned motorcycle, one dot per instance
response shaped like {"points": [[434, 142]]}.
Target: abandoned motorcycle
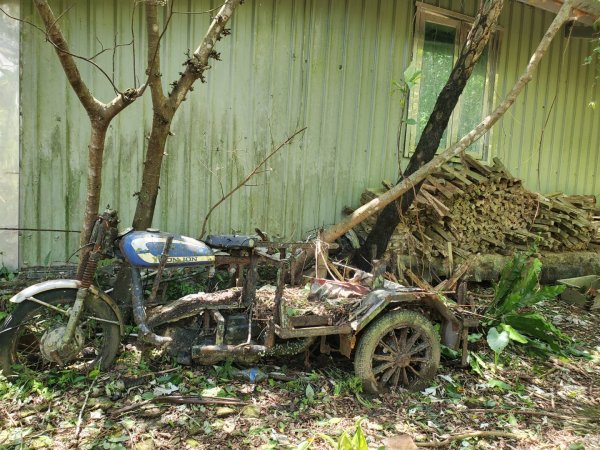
{"points": [[72, 323]]}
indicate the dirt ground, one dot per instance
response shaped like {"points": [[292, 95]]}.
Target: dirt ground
{"points": [[523, 403]]}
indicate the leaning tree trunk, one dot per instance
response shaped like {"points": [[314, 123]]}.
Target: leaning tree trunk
{"points": [[377, 204], [427, 146]]}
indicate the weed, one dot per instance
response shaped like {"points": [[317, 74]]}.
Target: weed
{"points": [[510, 315]]}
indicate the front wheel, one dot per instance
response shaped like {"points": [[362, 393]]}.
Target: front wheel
{"points": [[29, 336], [401, 349]]}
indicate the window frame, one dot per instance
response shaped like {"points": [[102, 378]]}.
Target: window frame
{"points": [[462, 24]]}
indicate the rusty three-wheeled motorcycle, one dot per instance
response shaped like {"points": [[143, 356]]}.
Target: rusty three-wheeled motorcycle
{"points": [[389, 331]]}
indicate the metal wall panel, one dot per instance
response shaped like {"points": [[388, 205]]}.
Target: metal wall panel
{"points": [[325, 64], [550, 138], [9, 136]]}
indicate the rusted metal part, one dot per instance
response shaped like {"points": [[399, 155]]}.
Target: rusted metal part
{"points": [[74, 316], [247, 353], [194, 304], [269, 341], [210, 354], [281, 276], [139, 312], [288, 333], [220, 332], [347, 344], [249, 289], [324, 346], [465, 347], [378, 271], [161, 267], [283, 317], [370, 308], [311, 320]]}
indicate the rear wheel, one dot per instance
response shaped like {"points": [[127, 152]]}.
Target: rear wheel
{"points": [[29, 336], [399, 350]]}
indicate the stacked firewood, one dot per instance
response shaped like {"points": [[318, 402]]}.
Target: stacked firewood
{"points": [[595, 244], [473, 208]]}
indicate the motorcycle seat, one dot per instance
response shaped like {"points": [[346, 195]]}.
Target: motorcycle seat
{"points": [[231, 241]]}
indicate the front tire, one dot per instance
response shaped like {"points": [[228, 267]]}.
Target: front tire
{"points": [[22, 333], [401, 349]]}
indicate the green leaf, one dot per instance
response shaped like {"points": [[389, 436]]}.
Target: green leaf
{"points": [[411, 75], [309, 392], [148, 396], [344, 443], [494, 383], [537, 326], [513, 334], [497, 341], [410, 122], [359, 442]]}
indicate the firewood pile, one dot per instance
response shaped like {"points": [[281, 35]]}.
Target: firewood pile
{"points": [[474, 208]]}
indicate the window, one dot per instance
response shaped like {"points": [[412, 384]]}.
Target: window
{"points": [[439, 37]]}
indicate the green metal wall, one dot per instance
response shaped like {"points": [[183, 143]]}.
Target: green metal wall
{"points": [[325, 64]]}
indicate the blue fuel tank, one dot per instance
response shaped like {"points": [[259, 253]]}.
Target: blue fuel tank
{"points": [[144, 249]]}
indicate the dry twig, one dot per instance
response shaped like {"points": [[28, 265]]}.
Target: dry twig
{"points": [[471, 434], [245, 180], [181, 400]]}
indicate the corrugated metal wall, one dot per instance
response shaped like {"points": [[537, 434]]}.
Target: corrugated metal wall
{"points": [[325, 64], [9, 136]]}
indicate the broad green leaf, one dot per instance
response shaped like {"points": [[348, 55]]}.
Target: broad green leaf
{"points": [[410, 122], [494, 383], [309, 392], [497, 341], [513, 334], [344, 443], [148, 396], [359, 442], [537, 326]]}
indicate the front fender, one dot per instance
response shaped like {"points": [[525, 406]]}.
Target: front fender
{"points": [[53, 285], [44, 286]]}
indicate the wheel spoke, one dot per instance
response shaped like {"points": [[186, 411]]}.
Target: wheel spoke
{"points": [[419, 359], [414, 371], [396, 378], [383, 357], [396, 344], [388, 374], [387, 347], [403, 335], [382, 367], [412, 340], [405, 377], [419, 348]]}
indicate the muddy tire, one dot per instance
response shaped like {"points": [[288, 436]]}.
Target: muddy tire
{"points": [[22, 332], [401, 349]]}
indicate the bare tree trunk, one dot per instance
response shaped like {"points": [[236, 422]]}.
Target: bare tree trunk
{"points": [[377, 204], [94, 177], [477, 40]]}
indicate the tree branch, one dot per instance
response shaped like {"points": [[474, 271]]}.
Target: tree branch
{"points": [[66, 58], [377, 204], [198, 63], [153, 70], [245, 180]]}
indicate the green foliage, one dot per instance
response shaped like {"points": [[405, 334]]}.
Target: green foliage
{"points": [[510, 316], [5, 274], [355, 440], [410, 78], [497, 342]]}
